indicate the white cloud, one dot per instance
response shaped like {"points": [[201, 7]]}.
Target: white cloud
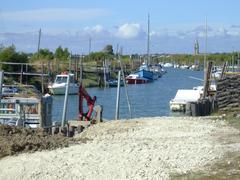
{"points": [[129, 31], [220, 39], [93, 30], [56, 14]]}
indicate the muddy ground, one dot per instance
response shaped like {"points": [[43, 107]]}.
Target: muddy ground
{"points": [[15, 140]]}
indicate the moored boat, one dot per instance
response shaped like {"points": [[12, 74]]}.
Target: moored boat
{"points": [[114, 83], [145, 73], [184, 96], [60, 83], [136, 79]]}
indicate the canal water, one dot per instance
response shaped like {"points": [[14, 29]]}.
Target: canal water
{"points": [[147, 100]]}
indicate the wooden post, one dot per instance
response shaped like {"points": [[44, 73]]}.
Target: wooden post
{"points": [[104, 73], [70, 64], [206, 80], [132, 63], [40, 110], [223, 70], [1, 82], [238, 59], [81, 70], [26, 75], [42, 79], [118, 96], [48, 71], [76, 68], [21, 76]]}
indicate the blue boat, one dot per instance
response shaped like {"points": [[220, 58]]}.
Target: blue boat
{"points": [[145, 74]]}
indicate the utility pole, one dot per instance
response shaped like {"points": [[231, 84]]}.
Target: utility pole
{"points": [[90, 45], [205, 53], [117, 50], [39, 40]]}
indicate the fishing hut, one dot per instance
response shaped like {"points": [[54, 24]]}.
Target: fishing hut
{"points": [[24, 105]]}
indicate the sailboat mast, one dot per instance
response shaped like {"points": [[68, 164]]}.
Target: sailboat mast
{"points": [[148, 41], [205, 53]]}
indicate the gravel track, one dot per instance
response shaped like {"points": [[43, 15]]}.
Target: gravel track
{"points": [[144, 148]]}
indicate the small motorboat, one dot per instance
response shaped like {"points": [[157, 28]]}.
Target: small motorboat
{"points": [[60, 83], [114, 83]]}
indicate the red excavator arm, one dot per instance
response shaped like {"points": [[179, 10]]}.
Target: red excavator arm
{"points": [[90, 103]]}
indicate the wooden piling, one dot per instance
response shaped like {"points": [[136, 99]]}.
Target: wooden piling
{"points": [[118, 96], [206, 80]]}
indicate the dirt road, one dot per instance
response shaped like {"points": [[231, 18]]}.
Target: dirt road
{"points": [[146, 148]]}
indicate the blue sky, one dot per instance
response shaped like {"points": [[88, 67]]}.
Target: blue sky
{"points": [[175, 24]]}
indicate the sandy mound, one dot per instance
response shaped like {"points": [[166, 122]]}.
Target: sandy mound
{"points": [[153, 148]]}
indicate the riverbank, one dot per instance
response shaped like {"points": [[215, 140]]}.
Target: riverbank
{"points": [[144, 148]]}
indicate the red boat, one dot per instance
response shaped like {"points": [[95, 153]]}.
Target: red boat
{"points": [[136, 79]]}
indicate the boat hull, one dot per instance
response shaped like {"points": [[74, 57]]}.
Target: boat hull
{"points": [[136, 81], [146, 74], [114, 83], [60, 90], [177, 106]]}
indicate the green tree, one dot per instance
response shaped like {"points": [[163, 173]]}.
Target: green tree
{"points": [[108, 49], [43, 54], [97, 56], [9, 54], [66, 53], [61, 54]]}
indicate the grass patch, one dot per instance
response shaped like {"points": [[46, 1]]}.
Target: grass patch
{"points": [[233, 119], [226, 168]]}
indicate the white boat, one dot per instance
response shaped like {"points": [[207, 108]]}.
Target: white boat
{"points": [[184, 67], [184, 96], [168, 65], [60, 83]]}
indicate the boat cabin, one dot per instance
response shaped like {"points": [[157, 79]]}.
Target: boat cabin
{"points": [[63, 78]]}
